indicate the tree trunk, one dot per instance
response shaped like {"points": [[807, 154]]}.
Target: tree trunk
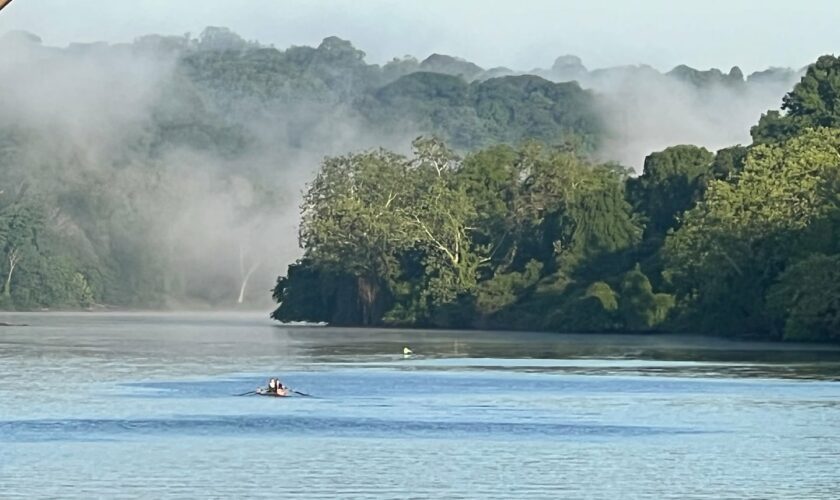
{"points": [[14, 257], [368, 293]]}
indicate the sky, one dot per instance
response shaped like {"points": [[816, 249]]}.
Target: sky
{"points": [[520, 34]]}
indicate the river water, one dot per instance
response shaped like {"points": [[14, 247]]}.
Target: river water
{"points": [[143, 405]]}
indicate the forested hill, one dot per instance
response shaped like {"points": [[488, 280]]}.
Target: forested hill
{"points": [[468, 115], [471, 107], [167, 172], [742, 242]]}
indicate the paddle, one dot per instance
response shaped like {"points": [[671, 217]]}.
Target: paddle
{"points": [[249, 393]]}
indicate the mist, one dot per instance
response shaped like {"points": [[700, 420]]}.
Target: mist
{"points": [[184, 181], [88, 129], [645, 111]]}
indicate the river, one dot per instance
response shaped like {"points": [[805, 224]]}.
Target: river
{"points": [[127, 405]]}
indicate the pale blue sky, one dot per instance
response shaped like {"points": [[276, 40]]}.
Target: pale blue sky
{"points": [[521, 34]]}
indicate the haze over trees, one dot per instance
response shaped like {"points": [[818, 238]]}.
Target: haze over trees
{"points": [[167, 173]]}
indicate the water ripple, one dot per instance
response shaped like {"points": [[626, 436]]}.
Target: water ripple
{"points": [[39, 430]]}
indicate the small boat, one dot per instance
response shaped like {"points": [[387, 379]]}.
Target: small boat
{"points": [[273, 395]]}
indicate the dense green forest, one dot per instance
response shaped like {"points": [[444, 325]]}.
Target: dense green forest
{"points": [[167, 173], [741, 242]]}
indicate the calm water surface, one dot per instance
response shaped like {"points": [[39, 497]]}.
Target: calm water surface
{"points": [[143, 405]]}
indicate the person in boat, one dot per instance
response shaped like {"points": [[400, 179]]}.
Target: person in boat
{"points": [[271, 389], [281, 390]]}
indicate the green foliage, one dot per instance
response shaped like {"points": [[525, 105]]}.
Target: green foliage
{"points": [[806, 299], [813, 102], [599, 220], [481, 114], [595, 311], [206, 121], [728, 161], [743, 242], [774, 127], [503, 290], [364, 213], [639, 307], [32, 276], [301, 294], [671, 183], [448, 65], [19, 226], [605, 296], [217, 108], [350, 221], [51, 282], [591, 309], [515, 108], [440, 236], [525, 231], [710, 78], [735, 242]]}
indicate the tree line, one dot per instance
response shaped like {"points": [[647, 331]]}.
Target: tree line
{"points": [[115, 199], [153, 174], [741, 242]]}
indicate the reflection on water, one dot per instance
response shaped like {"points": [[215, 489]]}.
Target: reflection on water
{"points": [[142, 405]]}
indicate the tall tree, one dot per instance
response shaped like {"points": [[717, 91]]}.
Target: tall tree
{"points": [[671, 183], [351, 222], [813, 102], [19, 226], [441, 215], [736, 241], [806, 299]]}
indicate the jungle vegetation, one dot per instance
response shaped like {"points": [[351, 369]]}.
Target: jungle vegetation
{"points": [[741, 242], [156, 174]]}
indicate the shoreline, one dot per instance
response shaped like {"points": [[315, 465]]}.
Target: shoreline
{"points": [[351, 333]]}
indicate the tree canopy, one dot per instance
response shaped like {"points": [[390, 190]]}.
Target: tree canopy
{"points": [[813, 102], [742, 242], [162, 173]]}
